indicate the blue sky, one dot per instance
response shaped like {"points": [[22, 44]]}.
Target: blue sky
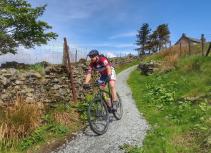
{"points": [[111, 25]]}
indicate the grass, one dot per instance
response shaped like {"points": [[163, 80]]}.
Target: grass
{"points": [[25, 127], [174, 51], [39, 67], [122, 67], [60, 123], [17, 121], [177, 105]]}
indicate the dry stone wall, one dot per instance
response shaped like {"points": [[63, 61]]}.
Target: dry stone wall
{"points": [[49, 86], [52, 86]]}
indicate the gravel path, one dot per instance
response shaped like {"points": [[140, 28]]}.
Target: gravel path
{"points": [[131, 129]]}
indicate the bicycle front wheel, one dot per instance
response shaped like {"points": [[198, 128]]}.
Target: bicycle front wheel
{"points": [[98, 116]]}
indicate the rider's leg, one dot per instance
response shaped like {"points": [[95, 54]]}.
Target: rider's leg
{"points": [[112, 83], [113, 90], [103, 87], [113, 93]]}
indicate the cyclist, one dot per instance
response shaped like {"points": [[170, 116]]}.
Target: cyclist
{"points": [[103, 66]]}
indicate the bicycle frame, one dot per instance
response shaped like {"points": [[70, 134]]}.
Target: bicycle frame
{"points": [[102, 91], [99, 94]]}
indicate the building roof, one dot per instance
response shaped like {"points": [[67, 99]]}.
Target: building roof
{"points": [[189, 38]]}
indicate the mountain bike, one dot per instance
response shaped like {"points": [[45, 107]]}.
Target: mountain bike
{"points": [[98, 109]]}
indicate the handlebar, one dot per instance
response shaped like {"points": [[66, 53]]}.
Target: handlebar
{"points": [[97, 82]]}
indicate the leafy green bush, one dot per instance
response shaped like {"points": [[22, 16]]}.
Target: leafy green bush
{"points": [[36, 137], [39, 134], [82, 107], [181, 111]]}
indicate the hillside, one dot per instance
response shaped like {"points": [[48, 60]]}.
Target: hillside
{"points": [[176, 101]]}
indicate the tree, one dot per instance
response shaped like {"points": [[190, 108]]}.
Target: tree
{"points": [[19, 26], [142, 38], [163, 35], [153, 43]]}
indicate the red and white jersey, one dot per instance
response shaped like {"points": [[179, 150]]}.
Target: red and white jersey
{"points": [[99, 65]]}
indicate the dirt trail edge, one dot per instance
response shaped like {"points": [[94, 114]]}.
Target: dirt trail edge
{"points": [[131, 129]]}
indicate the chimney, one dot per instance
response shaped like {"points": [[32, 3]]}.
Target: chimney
{"points": [[183, 35]]}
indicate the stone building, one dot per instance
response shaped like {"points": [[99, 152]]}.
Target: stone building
{"points": [[185, 39]]}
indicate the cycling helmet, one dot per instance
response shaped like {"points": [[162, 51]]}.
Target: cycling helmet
{"points": [[93, 52]]}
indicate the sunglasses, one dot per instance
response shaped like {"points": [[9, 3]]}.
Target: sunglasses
{"points": [[92, 56]]}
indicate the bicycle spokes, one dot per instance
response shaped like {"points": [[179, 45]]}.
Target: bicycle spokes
{"points": [[98, 117]]}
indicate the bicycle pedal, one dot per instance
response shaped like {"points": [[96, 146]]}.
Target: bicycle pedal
{"points": [[110, 110]]}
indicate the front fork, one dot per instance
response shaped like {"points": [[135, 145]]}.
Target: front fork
{"points": [[107, 99]]}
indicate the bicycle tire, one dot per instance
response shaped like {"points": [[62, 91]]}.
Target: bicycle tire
{"points": [[93, 109], [119, 112]]}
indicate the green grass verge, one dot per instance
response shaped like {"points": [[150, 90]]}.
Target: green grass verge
{"points": [[39, 67], [178, 124], [122, 67]]}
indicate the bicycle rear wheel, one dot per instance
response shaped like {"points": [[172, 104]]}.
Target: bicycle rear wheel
{"points": [[119, 112], [98, 116]]}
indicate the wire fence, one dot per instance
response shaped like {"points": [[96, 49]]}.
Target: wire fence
{"points": [[53, 54], [39, 55], [208, 37]]}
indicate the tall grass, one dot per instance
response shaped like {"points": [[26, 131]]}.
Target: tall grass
{"points": [[37, 67], [169, 57], [17, 122]]}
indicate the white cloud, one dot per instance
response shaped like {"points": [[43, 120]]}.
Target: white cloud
{"points": [[110, 54], [125, 45], [123, 35], [51, 53], [110, 45], [71, 9], [117, 52]]}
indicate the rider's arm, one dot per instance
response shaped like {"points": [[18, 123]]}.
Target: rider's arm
{"points": [[87, 78], [108, 68], [88, 74], [107, 65]]}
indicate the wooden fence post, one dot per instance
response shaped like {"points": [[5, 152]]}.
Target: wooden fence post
{"points": [[208, 51], [69, 70], [170, 45], [76, 55], [64, 60], [202, 44], [189, 47]]}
